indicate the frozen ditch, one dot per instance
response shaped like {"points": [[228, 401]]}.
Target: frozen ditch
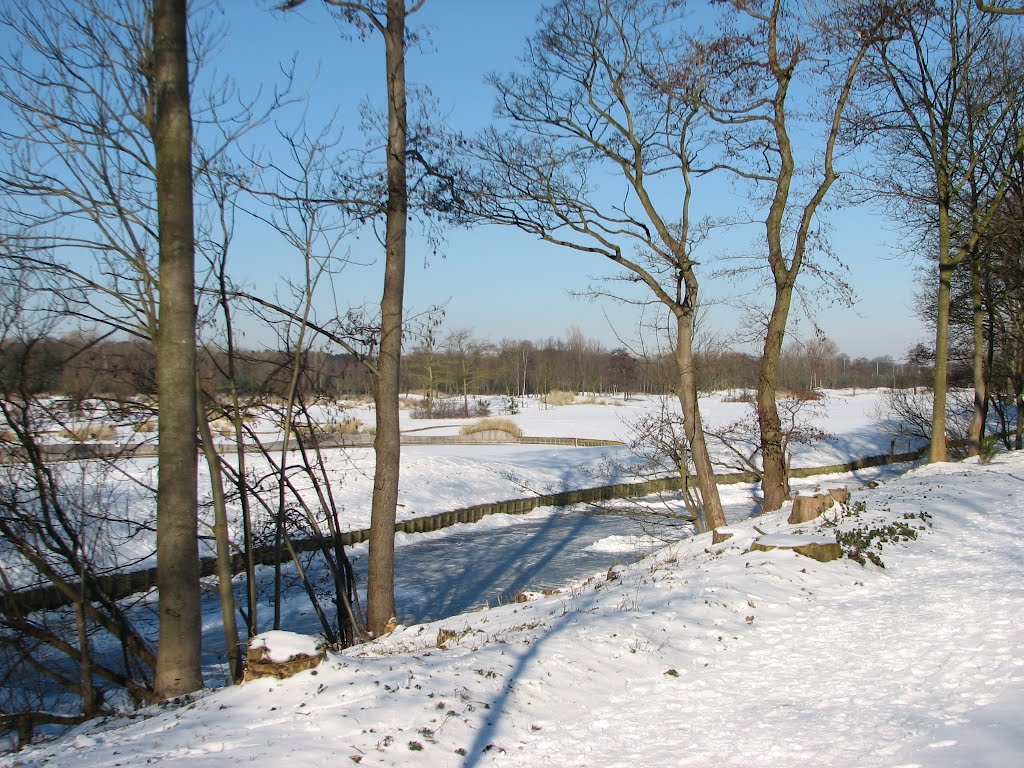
{"points": [[467, 567]]}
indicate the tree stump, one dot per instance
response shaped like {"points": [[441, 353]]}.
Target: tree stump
{"points": [[841, 495], [281, 654], [720, 534], [809, 507], [820, 548]]}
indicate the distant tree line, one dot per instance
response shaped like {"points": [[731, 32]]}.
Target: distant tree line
{"points": [[79, 367]]}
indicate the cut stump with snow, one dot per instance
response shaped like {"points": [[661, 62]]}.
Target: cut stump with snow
{"points": [[841, 495], [820, 548], [720, 535], [809, 507], [281, 654]]}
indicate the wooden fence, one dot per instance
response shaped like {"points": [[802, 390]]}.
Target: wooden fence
{"points": [[85, 451]]}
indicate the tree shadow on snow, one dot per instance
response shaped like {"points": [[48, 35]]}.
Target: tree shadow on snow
{"points": [[432, 583]]}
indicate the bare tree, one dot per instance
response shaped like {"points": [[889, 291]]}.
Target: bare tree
{"points": [[1006, 10], [758, 67], [943, 92], [387, 18], [595, 103], [55, 528], [81, 169]]}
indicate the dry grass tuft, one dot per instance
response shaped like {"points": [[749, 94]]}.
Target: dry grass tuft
{"points": [[223, 427], [560, 397], [343, 427], [493, 425], [81, 433]]}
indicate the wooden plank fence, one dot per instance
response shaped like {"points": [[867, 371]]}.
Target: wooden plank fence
{"points": [[86, 451]]}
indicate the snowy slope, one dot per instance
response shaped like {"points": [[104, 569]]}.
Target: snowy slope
{"points": [[700, 655]]}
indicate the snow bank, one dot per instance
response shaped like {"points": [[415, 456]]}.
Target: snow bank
{"points": [[699, 655]]}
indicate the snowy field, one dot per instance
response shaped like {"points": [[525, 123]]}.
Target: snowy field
{"points": [[438, 478], [699, 655]]}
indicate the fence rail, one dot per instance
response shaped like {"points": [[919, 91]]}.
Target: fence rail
{"points": [[85, 451]]}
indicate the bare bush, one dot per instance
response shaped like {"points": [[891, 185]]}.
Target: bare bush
{"points": [[741, 439], [905, 413], [738, 396], [451, 408]]}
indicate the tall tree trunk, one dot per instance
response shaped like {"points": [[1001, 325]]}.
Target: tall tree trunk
{"points": [[977, 429], [775, 473], [178, 656], [938, 451], [1017, 387], [693, 426], [380, 590]]}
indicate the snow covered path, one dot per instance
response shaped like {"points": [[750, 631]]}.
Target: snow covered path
{"points": [[836, 672], [698, 656]]}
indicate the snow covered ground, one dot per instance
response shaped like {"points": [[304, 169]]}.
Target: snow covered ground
{"points": [[699, 655], [438, 478]]}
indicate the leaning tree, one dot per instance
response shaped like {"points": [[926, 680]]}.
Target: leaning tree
{"points": [[597, 155], [778, 78]]}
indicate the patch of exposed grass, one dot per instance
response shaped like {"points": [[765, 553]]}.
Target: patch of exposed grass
{"points": [[146, 427], [560, 397], [493, 425], [82, 432]]}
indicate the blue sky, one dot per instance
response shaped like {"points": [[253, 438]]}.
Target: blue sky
{"points": [[496, 281], [500, 282]]}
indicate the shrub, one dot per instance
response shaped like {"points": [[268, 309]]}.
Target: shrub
{"points": [[738, 396], [799, 394], [451, 408], [495, 425], [988, 449]]}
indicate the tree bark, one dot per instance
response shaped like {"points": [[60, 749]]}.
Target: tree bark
{"points": [[693, 426], [775, 473], [178, 656], [223, 544], [380, 590], [938, 450], [977, 429]]}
